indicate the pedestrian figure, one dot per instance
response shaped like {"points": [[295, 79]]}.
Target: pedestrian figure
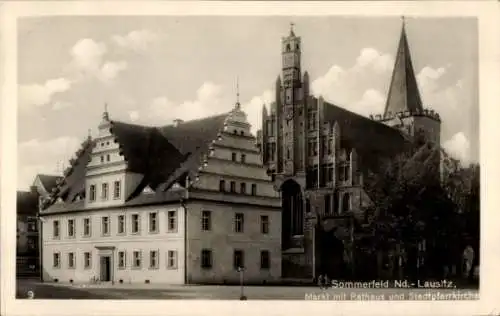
{"points": [[320, 281], [468, 258], [327, 281]]}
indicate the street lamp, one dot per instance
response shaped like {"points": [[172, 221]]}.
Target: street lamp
{"points": [[242, 296]]}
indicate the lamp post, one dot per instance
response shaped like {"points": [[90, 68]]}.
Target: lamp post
{"points": [[242, 295]]}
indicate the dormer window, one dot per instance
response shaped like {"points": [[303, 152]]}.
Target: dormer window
{"points": [[102, 159]]}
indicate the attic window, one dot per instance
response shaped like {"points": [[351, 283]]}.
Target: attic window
{"points": [[148, 190]]}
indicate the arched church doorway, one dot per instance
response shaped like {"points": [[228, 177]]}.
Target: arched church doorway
{"points": [[292, 223], [331, 250]]}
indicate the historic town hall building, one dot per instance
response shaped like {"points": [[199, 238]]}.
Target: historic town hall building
{"points": [[194, 201], [319, 154]]}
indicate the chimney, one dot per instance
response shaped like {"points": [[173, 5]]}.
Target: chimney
{"points": [[177, 122]]}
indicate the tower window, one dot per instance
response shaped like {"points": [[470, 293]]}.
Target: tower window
{"points": [[297, 46], [287, 47]]}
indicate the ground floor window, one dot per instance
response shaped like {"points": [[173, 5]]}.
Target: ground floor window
{"points": [[121, 260], [153, 259], [172, 259], [238, 259], [265, 260], [206, 259], [56, 260], [71, 260], [137, 259], [87, 260]]}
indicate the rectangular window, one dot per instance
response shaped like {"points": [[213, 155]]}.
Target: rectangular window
{"points": [[172, 259], [238, 259], [87, 260], [92, 193], [104, 192], [122, 263], [56, 228], [264, 224], [117, 190], [135, 223], [233, 187], [343, 172], [222, 185], [206, 259], [56, 260], [121, 224], [254, 189], [238, 222], [243, 158], [71, 260], [105, 225], [153, 222], [243, 188], [137, 259], [233, 156], [71, 228], [153, 259], [172, 221], [86, 227], [206, 220], [265, 260]]}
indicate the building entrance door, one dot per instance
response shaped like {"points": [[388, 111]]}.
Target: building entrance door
{"points": [[105, 268]]}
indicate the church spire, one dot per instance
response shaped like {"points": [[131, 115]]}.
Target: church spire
{"points": [[292, 33], [403, 92]]}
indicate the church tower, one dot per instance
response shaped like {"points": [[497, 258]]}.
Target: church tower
{"points": [[404, 109]]}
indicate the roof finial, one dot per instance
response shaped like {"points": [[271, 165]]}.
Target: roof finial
{"points": [[237, 93], [105, 115], [291, 28], [403, 19], [89, 136]]}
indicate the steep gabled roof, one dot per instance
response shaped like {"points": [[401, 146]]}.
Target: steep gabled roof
{"points": [[147, 152], [162, 155], [403, 92], [49, 181], [371, 139]]}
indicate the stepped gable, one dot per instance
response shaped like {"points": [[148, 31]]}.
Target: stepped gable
{"points": [[192, 139], [147, 152], [372, 140]]}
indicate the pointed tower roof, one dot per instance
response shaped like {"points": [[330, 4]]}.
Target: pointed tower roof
{"points": [[403, 92]]}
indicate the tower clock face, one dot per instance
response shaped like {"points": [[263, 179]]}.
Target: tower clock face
{"points": [[289, 60]]}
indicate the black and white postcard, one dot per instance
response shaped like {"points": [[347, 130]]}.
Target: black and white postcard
{"points": [[196, 155]]}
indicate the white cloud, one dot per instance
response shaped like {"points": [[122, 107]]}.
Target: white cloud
{"points": [[357, 88], [42, 94], [253, 108], [88, 54], [371, 102], [458, 147], [89, 60], [110, 70], [138, 40], [428, 78], [371, 58], [133, 115], [47, 156]]}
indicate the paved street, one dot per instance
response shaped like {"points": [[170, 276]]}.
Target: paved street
{"points": [[162, 291]]}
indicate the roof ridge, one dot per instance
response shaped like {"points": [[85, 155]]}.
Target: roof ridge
{"points": [[198, 119]]}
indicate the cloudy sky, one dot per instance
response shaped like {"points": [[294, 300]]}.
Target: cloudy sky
{"points": [[151, 70]]}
